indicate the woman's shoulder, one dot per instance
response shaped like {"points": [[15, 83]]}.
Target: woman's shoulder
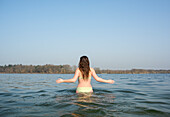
{"points": [[77, 69], [91, 69]]}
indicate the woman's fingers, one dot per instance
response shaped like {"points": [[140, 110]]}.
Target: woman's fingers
{"points": [[59, 80], [111, 81]]}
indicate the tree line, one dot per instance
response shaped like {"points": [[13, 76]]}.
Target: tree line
{"points": [[67, 69], [133, 71], [44, 69]]}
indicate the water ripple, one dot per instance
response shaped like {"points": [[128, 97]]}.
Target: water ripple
{"points": [[39, 95]]}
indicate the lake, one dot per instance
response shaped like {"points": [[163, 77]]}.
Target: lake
{"points": [[38, 95]]}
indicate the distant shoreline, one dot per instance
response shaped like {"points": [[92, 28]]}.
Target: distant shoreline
{"points": [[73, 73], [67, 69]]}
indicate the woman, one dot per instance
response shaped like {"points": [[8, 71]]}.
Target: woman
{"points": [[84, 73]]}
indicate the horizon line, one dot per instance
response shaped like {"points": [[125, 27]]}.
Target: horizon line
{"points": [[92, 67]]}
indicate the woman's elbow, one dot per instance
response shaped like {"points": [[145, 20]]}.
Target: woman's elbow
{"points": [[73, 81], [98, 80]]}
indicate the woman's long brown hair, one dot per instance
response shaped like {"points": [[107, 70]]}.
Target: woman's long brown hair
{"points": [[84, 67]]}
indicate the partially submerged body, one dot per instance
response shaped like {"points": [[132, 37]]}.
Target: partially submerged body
{"points": [[84, 84]]}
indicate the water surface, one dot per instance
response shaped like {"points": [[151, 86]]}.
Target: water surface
{"points": [[37, 95]]}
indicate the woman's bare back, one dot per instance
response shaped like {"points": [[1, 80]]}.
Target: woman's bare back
{"points": [[84, 82]]}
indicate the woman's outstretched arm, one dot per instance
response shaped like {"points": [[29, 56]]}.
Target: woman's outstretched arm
{"points": [[69, 80], [100, 79]]}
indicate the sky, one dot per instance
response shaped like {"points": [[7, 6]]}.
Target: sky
{"points": [[114, 34]]}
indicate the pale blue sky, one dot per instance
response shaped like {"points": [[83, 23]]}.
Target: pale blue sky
{"points": [[114, 34]]}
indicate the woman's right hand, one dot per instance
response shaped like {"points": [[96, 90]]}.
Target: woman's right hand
{"points": [[59, 80], [111, 81]]}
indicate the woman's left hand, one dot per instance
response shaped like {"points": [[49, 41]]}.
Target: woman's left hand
{"points": [[59, 80]]}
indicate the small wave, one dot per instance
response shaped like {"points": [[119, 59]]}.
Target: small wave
{"points": [[40, 91], [67, 90], [133, 84], [10, 101], [150, 111], [152, 102], [126, 91], [98, 112], [62, 105], [131, 91], [141, 94], [45, 104], [28, 96], [97, 90], [5, 94], [124, 78], [153, 111], [44, 95]]}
